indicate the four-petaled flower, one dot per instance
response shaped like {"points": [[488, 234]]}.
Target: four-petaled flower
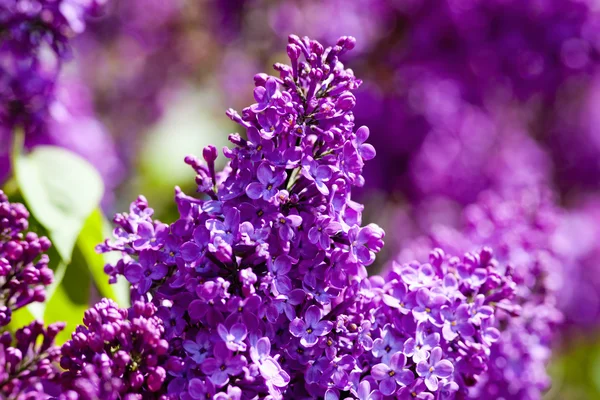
{"points": [[269, 180], [393, 374], [434, 368], [311, 327], [223, 365], [146, 271], [234, 336]]}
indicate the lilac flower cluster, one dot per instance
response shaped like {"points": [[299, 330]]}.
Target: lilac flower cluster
{"points": [[25, 359], [24, 272], [519, 225], [115, 354], [251, 281], [434, 324]]}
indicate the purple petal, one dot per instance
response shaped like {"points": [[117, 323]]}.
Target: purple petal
{"points": [[209, 366], [190, 251], [466, 329], [323, 328], [282, 265], [431, 382], [223, 333], [191, 347], [309, 340], [259, 95], [380, 371], [436, 355], [283, 284], [387, 386], [239, 331], [410, 346], [462, 312], [314, 235], [254, 190], [449, 333], [263, 346], [278, 178], [404, 378], [159, 271], [294, 220], [235, 365], [423, 368], [323, 172], [367, 151], [134, 272], [432, 340], [443, 369], [264, 174], [219, 378], [296, 296], [423, 297], [196, 388], [297, 327], [312, 316], [362, 134], [397, 361], [271, 87], [492, 334], [286, 233]]}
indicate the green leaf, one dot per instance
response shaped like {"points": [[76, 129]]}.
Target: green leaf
{"points": [[61, 189], [94, 231], [20, 318], [70, 298]]}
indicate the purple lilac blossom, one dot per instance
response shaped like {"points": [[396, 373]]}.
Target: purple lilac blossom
{"points": [[520, 225], [27, 357], [236, 258], [273, 310], [419, 338]]}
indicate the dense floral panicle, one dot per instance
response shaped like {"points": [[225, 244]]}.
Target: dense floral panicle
{"points": [[24, 271], [26, 359], [431, 326], [519, 225], [253, 281], [116, 353]]}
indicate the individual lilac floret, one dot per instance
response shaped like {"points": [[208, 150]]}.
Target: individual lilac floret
{"points": [[393, 375], [434, 369], [265, 267], [311, 328]]}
